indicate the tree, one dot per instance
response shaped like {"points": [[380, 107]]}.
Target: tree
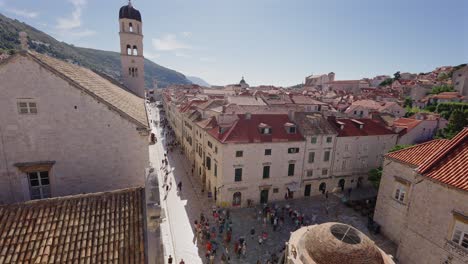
{"points": [[374, 177], [399, 147], [408, 102], [457, 121], [397, 76], [441, 89], [388, 81]]}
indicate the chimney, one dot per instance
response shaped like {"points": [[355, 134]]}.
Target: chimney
{"points": [[291, 115], [23, 38]]}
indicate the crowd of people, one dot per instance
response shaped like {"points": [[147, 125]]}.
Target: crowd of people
{"points": [[214, 230]]}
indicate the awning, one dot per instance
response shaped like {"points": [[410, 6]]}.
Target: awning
{"points": [[293, 186]]}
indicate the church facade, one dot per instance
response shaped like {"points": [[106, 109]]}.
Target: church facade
{"points": [[66, 130]]}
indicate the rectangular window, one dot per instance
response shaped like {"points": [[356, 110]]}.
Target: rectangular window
{"points": [[266, 130], [267, 152], [239, 153], [210, 145], [39, 185], [275, 190], [292, 130], [27, 107], [266, 172], [208, 163], [400, 192], [291, 169], [238, 174], [460, 234], [326, 155], [313, 140], [324, 172], [215, 169], [311, 157], [343, 165], [293, 150], [310, 173], [216, 149], [329, 139]]}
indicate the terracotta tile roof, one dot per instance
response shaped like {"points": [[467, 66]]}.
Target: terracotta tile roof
{"points": [[313, 124], [91, 228], [447, 95], [450, 164], [445, 161], [301, 99], [127, 104], [351, 127], [247, 130], [407, 123], [416, 155]]}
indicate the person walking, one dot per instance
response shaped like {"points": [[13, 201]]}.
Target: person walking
{"points": [[169, 259]]}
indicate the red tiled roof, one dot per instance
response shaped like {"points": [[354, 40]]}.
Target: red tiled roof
{"points": [[90, 228], [449, 165], [447, 95], [416, 155], [351, 129], [247, 130], [407, 123], [445, 161]]}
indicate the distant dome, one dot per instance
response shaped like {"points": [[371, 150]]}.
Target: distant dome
{"points": [[242, 81], [129, 12], [335, 243]]}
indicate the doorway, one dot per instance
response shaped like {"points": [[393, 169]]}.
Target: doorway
{"points": [[341, 184], [264, 196], [307, 189]]}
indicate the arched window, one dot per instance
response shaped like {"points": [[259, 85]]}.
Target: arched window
{"points": [[135, 50], [236, 199], [136, 72], [122, 28], [323, 187], [133, 72], [138, 28], [341, 184], [130, 27], [129, 71], [129, 50]]}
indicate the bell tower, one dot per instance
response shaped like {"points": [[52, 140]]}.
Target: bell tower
{"points": [[131, 49]]}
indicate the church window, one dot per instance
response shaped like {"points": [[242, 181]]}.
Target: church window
{"points": [[129, 50], [138, 29], [136, 72], [129, 71], [130, 27], [122, 28], [135, 51]]}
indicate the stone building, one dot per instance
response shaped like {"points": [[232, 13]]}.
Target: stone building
{"points": [[131, 49], [359, 147], [333, 243], [65, 129], [460, 80], [422, 203], [320, 138]]}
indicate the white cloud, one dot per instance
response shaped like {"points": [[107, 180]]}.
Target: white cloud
{"points": [[187, 34], [150, 55], [169, 42], [208, 59], [74, 20], [183, 55], [22, 12]]}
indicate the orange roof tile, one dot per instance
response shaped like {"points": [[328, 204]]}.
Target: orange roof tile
{"points": [[416, 155], [89, 228]]}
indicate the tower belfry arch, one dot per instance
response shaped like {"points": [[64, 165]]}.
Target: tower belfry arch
{"points": [[131, 49]]}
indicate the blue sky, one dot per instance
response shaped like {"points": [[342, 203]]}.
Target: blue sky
{"points": [[275, 42]]}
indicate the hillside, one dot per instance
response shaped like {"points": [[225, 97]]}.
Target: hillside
{"points": [[198, 81], [107, 62]]}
